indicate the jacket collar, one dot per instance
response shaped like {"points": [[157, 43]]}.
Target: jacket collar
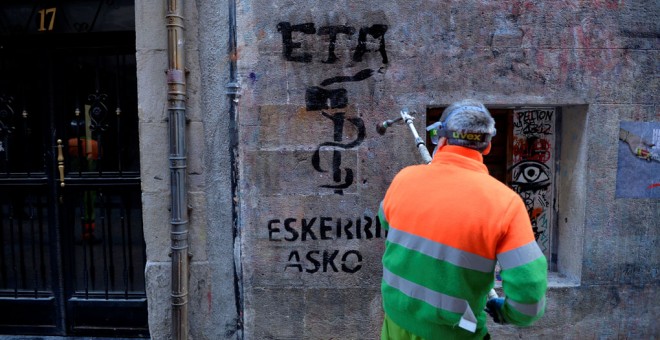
{"points": [[460, 156]]}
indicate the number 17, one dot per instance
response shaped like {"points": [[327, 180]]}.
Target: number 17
{"points": [[43, 13]]}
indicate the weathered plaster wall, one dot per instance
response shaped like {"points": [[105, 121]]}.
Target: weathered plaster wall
{"points": [[310, 160]]}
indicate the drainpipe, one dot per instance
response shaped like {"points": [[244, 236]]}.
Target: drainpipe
{"points": [[233, 89], [176, 100]]}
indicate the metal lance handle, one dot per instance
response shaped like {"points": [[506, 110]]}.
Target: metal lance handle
{"points": [[60, 162], [407, 118], [419, 142]]}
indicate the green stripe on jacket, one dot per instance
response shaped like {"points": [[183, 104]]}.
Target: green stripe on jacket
{"points": [[525, 284], [422, 318], [425, 320], [438, 275]]}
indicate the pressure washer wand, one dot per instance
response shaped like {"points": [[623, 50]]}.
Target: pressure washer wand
{"points": [[407, 118]]}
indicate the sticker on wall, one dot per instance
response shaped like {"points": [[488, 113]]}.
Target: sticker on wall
{"points": [[638, 169], [532, 170]]}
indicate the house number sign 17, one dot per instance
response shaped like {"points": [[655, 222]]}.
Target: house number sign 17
{"points": [[47, 17]]}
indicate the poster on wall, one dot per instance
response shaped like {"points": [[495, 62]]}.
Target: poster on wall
{"points": [[638, 169]]}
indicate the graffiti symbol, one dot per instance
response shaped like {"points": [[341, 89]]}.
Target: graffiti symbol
{"points": [[530, 175], [289, 45], [532, 148], [332, 31], [534, 122], [362, 75], [318, 98], [338, 120], [376, 31]]}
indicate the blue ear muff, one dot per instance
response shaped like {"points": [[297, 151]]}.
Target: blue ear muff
{"points": [[434, 130]]}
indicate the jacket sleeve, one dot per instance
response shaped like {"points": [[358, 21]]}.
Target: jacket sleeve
{"points": [[381, 216], [524, 268]]}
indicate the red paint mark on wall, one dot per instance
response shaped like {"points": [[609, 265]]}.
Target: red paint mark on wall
{"points": [[517, 8], [536, 213], [532, 148], [609, 4], [653, 186]]}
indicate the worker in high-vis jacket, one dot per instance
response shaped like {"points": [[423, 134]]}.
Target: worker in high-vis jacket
{"points": [[448, 224]]}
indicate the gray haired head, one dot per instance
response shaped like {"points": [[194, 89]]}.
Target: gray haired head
{"points": [[468, 116]]}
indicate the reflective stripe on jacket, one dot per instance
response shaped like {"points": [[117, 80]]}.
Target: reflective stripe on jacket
{"points": [[449, 222]]}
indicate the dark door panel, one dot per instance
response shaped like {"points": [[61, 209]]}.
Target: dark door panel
{"points": [[120, 318], [26, 263], [73, 254], [103, 225]]}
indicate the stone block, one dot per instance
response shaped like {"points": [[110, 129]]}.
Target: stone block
{"points": [[314, 314], [288, 172], [150, 25], [160, 303], [154, 162], [507, 38], [290, 126], [280, 315], [152, 85], [197, 226], [196, 157], [156, 224], [157, 275]]}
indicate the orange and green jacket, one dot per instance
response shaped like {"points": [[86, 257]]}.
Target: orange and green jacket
{"points": [[448, 223]]}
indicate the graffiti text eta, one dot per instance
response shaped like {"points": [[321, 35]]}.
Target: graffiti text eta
{"points": [[375, 32]]}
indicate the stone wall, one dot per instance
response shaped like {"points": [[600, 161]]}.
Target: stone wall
{"points": [[316, 78]]}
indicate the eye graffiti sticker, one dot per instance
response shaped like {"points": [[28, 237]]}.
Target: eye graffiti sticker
{"points": [[532, 173]]}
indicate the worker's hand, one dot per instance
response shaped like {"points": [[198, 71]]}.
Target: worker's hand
{"points": [[494, 309]]}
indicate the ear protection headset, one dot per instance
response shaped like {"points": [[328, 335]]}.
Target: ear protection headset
{"points": [[439, 129]]}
